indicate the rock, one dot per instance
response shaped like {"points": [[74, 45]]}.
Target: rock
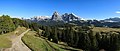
{"points": [[56, 17], [70, 17]]}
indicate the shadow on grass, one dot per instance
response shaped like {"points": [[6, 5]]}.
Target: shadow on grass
{"points": [[69, 49], [66, 47]]}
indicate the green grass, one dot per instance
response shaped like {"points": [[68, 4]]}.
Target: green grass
{"points": [[59, 47], [56, 46], [4, 42], [35, 43], [40, 44], [19, 30], [5, 39], [103, 29]]}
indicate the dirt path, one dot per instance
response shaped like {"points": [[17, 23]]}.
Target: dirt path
{"points": [[17, 44]]}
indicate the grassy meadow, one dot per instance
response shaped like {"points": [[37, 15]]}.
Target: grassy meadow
{"points": [[39, 44], [5, 39]]}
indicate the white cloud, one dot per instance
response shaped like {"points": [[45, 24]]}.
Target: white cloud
{"points": [[118, 12]]}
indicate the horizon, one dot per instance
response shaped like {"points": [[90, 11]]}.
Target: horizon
{"points": [[86, 9]]}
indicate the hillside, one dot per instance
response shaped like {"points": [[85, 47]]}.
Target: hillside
{"points": [[104, 29], [6, 24], [40, 44], [11, 31], [6, 39]]}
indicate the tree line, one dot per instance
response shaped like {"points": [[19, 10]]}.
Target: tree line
{"points": [[8, 24], [84, 38]]}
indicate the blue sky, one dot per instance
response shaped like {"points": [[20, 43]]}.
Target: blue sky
{"points": [[87, 9]]}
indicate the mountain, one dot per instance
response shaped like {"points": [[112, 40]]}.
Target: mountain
{"points": [[115, 19], [56, 17], [70, 17], [40, 18]]}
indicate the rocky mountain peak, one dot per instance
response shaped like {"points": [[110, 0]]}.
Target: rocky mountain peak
{"points": [[69, 17], [56, 16], [55, 13]]}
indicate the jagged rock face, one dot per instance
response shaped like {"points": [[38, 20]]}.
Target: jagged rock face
{"points": [[72, 17], [56, 17], [69, 17], [65, 17]]}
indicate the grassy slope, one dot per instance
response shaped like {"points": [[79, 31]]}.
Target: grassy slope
{"points": [[35, 43], [5, 39], [4, 42], [103, 29], [40, 44], [63, 48]]}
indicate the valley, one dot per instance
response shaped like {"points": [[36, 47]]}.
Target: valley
{"points": [[59, 25], [22, 35]]}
